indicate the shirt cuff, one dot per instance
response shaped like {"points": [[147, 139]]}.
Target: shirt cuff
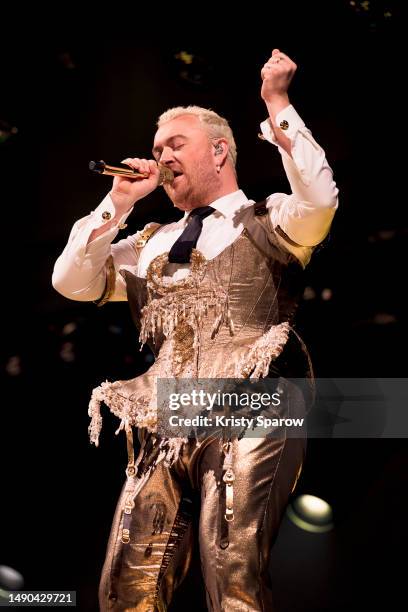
{"points": [[85, 226], [104, 213], [288, 120]]}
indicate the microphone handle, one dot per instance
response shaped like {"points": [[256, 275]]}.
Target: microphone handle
{"points": [[101, 167]]}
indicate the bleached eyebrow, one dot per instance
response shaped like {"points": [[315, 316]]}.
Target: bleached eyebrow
{"points": [[157, 148]]}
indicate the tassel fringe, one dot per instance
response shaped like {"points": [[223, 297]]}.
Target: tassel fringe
{"points": [[255, 363]]}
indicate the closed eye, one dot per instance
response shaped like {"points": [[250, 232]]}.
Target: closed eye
{"points": [[174, 143], [157, 152]]}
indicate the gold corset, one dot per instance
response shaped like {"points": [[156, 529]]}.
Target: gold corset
{"points": [[229, 318]]}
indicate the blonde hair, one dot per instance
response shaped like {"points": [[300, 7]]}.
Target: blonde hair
{"points": [[215, 125]]}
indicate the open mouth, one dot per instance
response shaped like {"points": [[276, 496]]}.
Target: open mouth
{"points": [[176, 176]]}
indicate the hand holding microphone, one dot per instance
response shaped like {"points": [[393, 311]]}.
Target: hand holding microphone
{"points": [[133, 183]]}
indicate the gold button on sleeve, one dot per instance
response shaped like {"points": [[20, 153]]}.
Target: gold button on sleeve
{"points": [[284, 125], [106, 215]]}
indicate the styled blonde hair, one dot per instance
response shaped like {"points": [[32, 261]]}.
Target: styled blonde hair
{"points": [[215, 125]]}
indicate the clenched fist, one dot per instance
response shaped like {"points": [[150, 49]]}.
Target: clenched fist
{"points": [[126, 191], [276, 75]]}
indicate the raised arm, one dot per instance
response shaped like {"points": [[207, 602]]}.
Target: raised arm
{"points": [[306, 214]]}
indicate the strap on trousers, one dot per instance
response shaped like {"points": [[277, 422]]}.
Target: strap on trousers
{"points": [[150, 546]]}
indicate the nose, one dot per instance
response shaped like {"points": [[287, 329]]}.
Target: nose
{"points": [[166, 155]]}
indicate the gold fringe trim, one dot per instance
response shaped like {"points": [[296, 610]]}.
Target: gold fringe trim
{"points": [[137, 412], [172, 448], [165, 313], [132, 413], [255, 363]]}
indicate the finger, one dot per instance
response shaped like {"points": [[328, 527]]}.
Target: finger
{"points": [[275, 52], [130, 161], [285, 58], [137, 164], [144, 166], [273, 65], [153, 166], [279, 61], [268, 70]]}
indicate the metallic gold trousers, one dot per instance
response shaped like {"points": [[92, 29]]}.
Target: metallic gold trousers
{"points": [[142, 574]]}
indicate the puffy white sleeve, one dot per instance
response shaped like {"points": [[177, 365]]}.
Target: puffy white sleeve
{"points": [[306, 214], [83, 270]]}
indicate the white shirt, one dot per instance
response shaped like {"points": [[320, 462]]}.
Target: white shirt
{"points": [[305, 216]]}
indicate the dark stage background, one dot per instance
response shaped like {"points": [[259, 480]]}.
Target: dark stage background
{"points": [[79, 86]]}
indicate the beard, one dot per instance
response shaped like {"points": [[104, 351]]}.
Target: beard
{"points": [[196, 187]]}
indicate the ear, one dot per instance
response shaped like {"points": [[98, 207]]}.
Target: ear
{"points": [[220, 151]]}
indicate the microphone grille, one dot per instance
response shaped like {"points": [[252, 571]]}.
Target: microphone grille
{"points": [[166, 175], [97, 166]]}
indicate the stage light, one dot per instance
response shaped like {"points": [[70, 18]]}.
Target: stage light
{"points": [[13, 366], [69, 328], [66, 60], [67, 352], [326, 294], [384, 318], [184, 57], [6, 130], [192, 68], [309, 293], [311, 513], [10, 580]]}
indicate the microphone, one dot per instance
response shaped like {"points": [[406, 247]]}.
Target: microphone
{"points": [[166, 175]]}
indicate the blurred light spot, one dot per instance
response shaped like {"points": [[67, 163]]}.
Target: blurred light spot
{"points": [[67, 352], [115, 329], [192, 68], [10, 579], [309, 293], [13, 366], [66, 60], [382, 235], [6, 130], [384, 318], [386, 234], [311, 513], [69, 328], [149, 358], [327, 294], [184, 57]]}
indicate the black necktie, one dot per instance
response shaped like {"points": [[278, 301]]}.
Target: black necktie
{"points": [[180, 252]]}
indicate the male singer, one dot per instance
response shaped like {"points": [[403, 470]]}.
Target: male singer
{"points": [[215, 295]]}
